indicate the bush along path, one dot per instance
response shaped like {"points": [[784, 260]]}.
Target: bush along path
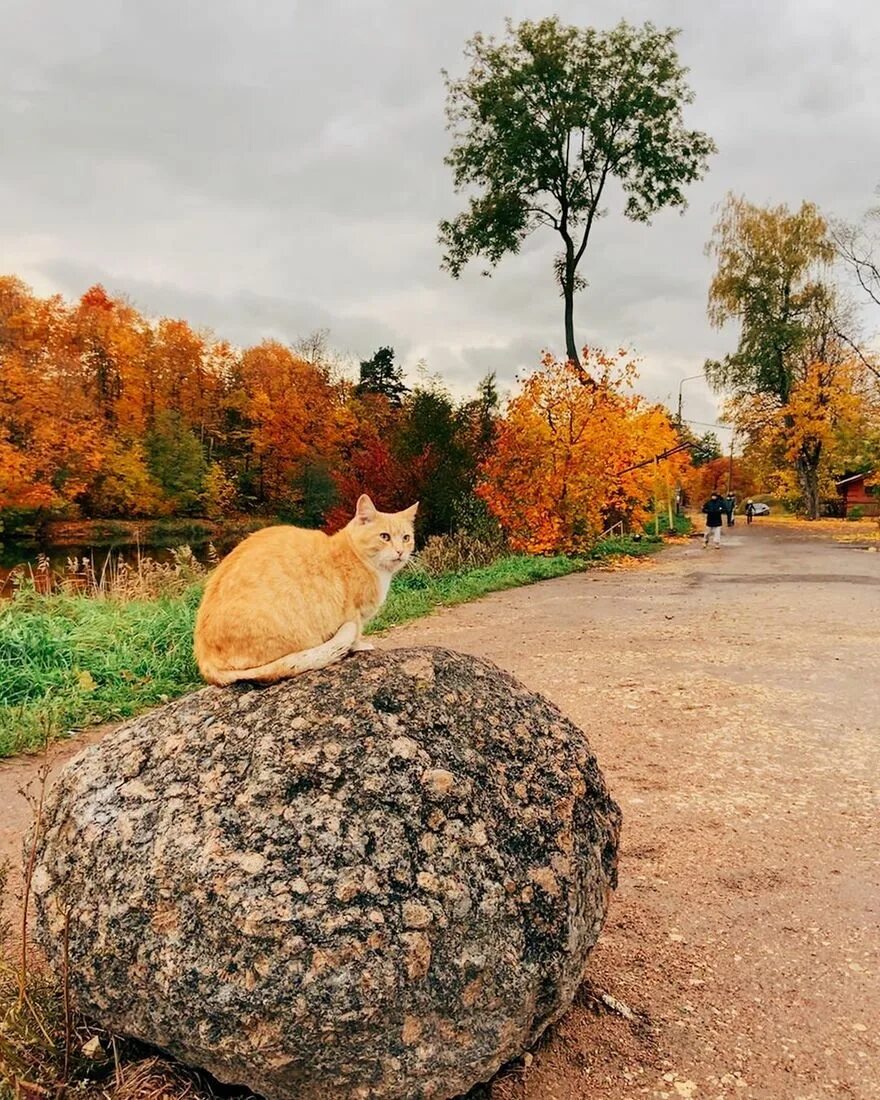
{"points": [[68, 661]]}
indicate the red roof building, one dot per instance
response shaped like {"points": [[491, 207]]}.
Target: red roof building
{"points": [[856, 494]]}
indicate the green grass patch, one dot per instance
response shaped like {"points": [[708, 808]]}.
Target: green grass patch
{"points": [[681, 524], [69, 661], [414, 593]]}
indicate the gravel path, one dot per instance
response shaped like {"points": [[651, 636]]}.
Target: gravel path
{"points": [[733, 698]]}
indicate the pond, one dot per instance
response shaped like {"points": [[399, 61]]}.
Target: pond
{"points": [[37, 560]]}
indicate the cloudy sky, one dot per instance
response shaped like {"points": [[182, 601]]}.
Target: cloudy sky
{"points": [[269, 167]]}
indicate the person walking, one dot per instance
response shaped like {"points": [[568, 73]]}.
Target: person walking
{"points": [[730, 508], [714, 511], [750, 511]]}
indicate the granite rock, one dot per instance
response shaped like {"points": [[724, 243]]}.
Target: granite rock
{"points": [[382, 880]]}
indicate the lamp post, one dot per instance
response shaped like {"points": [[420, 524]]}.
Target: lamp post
{"points": [[690, 378]]}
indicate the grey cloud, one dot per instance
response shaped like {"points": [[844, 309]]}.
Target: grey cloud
{"points": [[267, 169], [243, 318]]}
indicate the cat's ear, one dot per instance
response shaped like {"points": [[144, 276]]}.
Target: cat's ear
{"points": [[365, 511], [410, 512]]}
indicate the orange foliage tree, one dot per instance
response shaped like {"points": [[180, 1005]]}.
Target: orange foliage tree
{"points": [[555, 477], [105, 412], [295, 412], [48, 428]]}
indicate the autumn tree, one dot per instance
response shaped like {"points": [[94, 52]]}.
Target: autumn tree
{"points": [[427, 449], [561, 467], [105, 412], [50, 433], [546, 121], [370, 464], [797, 450], [294, 416], [184, 379], [772, 277], [769, 276], [98, 335], [124, 487]]}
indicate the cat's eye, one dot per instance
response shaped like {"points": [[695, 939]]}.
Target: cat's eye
{"points": [[385, 536], [406, 538]]}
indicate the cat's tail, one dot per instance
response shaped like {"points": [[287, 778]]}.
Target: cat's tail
{"points": [[292, 665]]}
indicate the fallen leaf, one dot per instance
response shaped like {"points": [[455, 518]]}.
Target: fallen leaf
{"points": [[93, 1049]]}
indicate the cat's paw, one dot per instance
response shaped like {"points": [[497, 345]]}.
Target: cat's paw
{"points": [[360, 646]]}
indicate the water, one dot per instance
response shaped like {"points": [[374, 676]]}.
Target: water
{"points": [[27, 556]]}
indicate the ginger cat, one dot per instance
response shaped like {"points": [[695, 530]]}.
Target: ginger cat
{"points": [[287, 600]]}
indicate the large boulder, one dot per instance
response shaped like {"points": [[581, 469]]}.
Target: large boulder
{"points": [[382, 880]]}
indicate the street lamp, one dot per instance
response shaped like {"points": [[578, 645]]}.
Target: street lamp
{"points": [[690, 378]]}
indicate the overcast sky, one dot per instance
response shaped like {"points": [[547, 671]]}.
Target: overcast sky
{"points": [[269, 167]]}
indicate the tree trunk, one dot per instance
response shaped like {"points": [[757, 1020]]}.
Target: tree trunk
{"points": [[571, 349], [567, 282], [808, 473]]}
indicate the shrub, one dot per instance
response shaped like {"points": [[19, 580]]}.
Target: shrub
{"points": [[456, 553], [471, 515], [856, 512]]}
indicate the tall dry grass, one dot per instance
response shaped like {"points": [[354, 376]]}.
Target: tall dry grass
{"points": [[114, 576]]}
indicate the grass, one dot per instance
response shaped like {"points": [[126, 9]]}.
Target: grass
{"points": [[416, 593], [69, 660]]}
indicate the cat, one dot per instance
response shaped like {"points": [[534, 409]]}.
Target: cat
{"points": [[288, 600]]}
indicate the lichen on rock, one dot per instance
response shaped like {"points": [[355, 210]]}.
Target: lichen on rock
{"points": [[379, 881]]}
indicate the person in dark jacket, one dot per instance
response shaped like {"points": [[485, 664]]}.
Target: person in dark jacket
{"points": [[730, 508], [714, 511], [750, 511]]}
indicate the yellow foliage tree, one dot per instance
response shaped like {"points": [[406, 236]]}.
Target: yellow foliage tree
{"points": [[555, 478], [796, 448]]}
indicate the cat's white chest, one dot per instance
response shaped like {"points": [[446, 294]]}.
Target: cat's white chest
{"points": [[384, 585]]}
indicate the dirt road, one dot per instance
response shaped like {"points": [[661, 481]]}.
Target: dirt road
{"points": [[733, 699]]}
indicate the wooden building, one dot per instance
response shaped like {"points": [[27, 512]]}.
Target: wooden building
{"points": [[856, 494]]}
